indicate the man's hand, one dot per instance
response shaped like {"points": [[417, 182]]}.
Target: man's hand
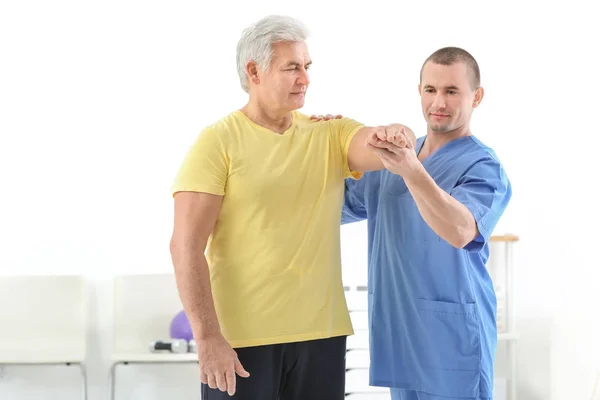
{"points": [[219, 363], [397, 134], [327, 117], [395, 150]]}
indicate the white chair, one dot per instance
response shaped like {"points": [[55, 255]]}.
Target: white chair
{"points": [[44, 322], [144, 306]]}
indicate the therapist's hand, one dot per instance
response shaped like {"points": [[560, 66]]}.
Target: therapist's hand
{"points": [[327, 117], [396, 151]]}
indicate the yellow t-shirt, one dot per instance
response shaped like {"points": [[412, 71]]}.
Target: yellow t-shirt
{"points": [[274, 256]]}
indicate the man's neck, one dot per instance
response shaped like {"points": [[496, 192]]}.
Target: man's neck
{"points": [[271, 119], [436, 140]]}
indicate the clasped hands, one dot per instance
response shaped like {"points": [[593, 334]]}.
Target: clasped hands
{"points": [[393, 144]]}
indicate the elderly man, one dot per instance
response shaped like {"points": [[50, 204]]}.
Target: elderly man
{"points": [[261, 191]]}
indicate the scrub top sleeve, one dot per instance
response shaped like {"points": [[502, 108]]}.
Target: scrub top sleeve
{"points": [[354, 209], [486, 191]]}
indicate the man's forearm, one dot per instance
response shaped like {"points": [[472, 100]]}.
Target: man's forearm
{"points": [[448, 217], [193, 282]]}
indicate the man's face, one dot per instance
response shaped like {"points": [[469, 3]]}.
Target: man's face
{"points": [[283, 86], [447, 96]]}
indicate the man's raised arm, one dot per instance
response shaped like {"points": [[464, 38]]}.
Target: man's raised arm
{"points": [[361, 157]]}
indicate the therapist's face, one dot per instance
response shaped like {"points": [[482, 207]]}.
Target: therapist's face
{"points": [[447, 96]]}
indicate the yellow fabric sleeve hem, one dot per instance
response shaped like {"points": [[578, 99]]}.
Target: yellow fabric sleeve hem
{"points": [[198, 188], [349, 173]]}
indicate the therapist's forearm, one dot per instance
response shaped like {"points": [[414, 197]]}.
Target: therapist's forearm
{"points": [[445, 215]]}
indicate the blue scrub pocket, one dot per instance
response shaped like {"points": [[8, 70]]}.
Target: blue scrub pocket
{"points": [[450, 337], [448, 348]]}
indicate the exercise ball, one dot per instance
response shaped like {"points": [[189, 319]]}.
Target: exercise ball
{"points": [[180, 327]]}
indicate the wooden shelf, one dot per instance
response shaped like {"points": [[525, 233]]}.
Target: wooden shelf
{"points": [[504, 238]]}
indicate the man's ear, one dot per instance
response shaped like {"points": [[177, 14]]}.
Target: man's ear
{"points": [[252, 72], [478, 97]]}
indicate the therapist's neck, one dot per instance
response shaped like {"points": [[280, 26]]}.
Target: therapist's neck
{"points": [[436, 139]]}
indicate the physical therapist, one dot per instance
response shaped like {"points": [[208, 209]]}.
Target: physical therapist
{"points": [[432, 306]]}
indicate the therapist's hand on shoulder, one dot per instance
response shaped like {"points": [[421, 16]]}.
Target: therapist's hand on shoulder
{"points": [[395, 147], [327, 117]]}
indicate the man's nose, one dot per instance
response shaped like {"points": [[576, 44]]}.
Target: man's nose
{"points": [[439, 102], [303, 78]]}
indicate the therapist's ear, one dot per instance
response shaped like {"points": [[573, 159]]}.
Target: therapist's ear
{"points": [[478, 97]]}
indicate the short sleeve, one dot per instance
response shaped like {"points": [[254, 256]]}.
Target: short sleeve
{"points": [[205, 166], [344, 130], [486, 191], [354, 209]]}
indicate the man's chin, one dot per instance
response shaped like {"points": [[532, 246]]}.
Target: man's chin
{"points": [[296, 105], [438, 128]]}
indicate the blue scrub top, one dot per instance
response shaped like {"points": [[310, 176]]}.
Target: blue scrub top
{"points": [[432, 307]]}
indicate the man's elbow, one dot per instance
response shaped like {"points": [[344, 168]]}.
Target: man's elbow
{"points": [[461, 237], [182, 250], [365, 163], [173, 246]]}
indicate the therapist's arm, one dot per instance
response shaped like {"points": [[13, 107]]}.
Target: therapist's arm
{"points": [[445, 215]]}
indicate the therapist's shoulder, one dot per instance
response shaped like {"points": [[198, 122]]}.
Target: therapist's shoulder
{"points": [[478, 150], [483, 162]]}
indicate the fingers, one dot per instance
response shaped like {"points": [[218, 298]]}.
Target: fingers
{"points": [[390, 147], [221, 382], [394, 147], [383, 154], [212, 382], [379, 134], [385, 134], [400, 140], [203, 378], [391, 134], [327, 117], [239, 369], [224, 381], [230, 380]]}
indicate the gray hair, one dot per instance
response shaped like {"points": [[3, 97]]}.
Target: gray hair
{"points": [[256, 43]]}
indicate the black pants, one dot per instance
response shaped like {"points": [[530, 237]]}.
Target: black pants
{"points": [[311, 370]]}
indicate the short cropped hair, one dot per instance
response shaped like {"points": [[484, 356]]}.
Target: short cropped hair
{"points": [[453, 55]]}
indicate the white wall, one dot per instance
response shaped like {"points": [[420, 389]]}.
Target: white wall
{"points": [[99, 101]]}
